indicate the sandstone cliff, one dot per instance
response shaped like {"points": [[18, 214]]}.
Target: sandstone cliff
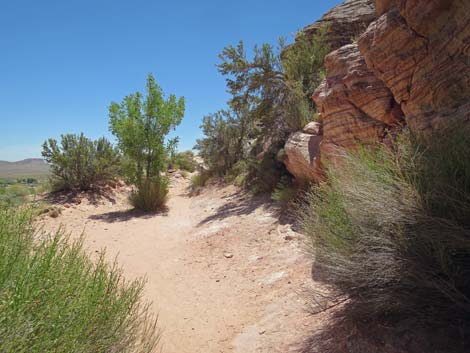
{"points": [[410, 67], [345, 22]]}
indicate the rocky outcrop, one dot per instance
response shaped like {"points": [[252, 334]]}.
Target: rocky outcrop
{"points": [[421, 51], [353, 104], [410, 67], [303, 153], [344, 22]]}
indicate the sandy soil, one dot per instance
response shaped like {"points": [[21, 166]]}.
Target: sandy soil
{"points": [[223, 274]]}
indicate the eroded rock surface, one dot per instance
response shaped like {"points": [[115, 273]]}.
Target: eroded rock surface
{"points": [[354, 105], [410, 67], [303, 155], [420, 49], [345, 22]]}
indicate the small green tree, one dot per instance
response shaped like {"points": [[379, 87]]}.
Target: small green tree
{"points": [[141, 125], [79, 163]]}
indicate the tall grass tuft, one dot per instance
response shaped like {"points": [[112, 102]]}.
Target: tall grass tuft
{"points": [[53, 298], [151, 195], [390, 231]]}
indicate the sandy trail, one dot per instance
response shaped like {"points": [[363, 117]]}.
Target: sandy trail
{"points": [[207, 300]]}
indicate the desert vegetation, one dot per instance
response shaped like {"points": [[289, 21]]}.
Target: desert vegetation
{"points": [[78, 163], [140, 126], [390, 232], [53, 298], [183, 161], [270, 98]]}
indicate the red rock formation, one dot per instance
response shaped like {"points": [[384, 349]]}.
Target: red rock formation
{"points": [[303, 153], [411, 65], [421, 51], [354, 105], [345, 22]]}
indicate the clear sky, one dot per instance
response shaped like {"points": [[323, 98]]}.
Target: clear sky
{"points": [[62, 62]]}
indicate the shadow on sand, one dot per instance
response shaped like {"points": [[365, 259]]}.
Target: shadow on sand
{"points": [[126, 215], [241, 203]]}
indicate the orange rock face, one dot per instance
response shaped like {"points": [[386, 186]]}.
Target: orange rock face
{"points": [[410, 67], [344, 22], [303, 156], [355, 106], [420, 49]]}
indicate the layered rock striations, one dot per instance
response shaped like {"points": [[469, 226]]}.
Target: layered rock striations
{"points": [[344, 22], [420, 49], [303, 153], [411, 66], [354, 105]]}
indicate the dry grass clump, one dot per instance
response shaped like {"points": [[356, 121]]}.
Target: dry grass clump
{"points": [[390, 231], [151, 195]]}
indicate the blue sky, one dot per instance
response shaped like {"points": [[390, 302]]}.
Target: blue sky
{"points": [[63, 62]]}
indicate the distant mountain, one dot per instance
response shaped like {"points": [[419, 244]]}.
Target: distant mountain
{"points": [[30, 167]]}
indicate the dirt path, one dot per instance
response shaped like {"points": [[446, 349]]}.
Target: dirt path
{"points": [[223, 274]]}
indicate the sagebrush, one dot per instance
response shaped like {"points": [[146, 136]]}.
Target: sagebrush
{"points": [[53, 298], [79, 163], [390, 231]]}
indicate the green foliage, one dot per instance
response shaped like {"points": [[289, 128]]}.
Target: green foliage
{"points": [[15, 194], [53, 298], [182, 160], [151, 195], [224, 141], [265, 172], [286, 193], [271, 97], [79, 163], [238, 173], [141, 125], [276, 83], [199, 180], [390, 230]]}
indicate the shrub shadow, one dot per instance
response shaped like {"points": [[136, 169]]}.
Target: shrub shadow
{"points": [[94, 197], [126, 215], [242, 203]]}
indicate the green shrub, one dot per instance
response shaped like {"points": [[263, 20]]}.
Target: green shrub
{"points": [[390, 231], [199, 180], [151, 194], [284, 193], [183, 160], [80, 163], [265, 173], [238, 173], [53, 298], [15, 194]]}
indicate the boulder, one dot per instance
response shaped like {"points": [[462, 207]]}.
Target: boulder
{"points": [[344, 22], [313, 128], [421, 51], [302, 152]]}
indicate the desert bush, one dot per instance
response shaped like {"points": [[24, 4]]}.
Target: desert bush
{"points": [[79, 163], [223, 144], [14, 194], [199, 180], [182, 160], [53, 298], [286, 192], [390, 231], [238, 173], [151, 195], [270, 98], [141, 125]]}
